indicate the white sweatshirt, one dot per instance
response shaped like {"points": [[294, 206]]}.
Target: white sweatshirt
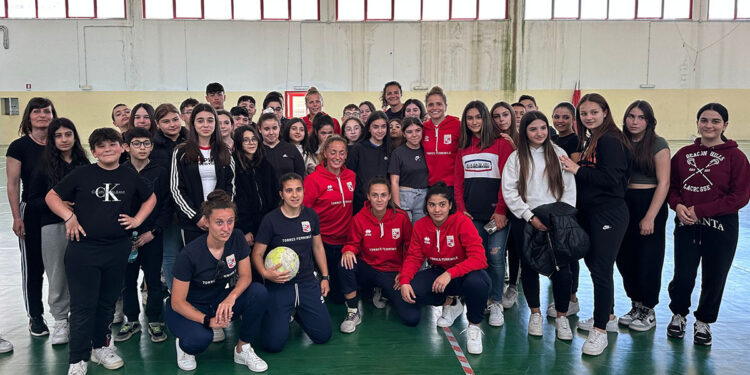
{"points": [[537, 188]]}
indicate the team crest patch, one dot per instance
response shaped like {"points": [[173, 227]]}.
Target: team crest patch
{"points": [[231, 261], [306, 226], [447, 139], [396, 233], [350, 186], [450, 241]]}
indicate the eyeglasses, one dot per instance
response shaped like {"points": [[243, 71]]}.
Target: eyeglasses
{"points": [[139, 144], [247, 141], [351, 114], [276, 109]]}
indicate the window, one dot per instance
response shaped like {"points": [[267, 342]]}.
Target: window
{"points": [[295, 10], [62, 9], [610, 9], [728, 9], [420, 10]]}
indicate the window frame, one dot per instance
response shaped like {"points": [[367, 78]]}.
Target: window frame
{"points": [[421, 13], [67, 12], [708, 13], [635, 13], [231, 10]]}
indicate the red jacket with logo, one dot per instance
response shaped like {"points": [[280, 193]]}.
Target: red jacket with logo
{"points": [[715, 180], [308, 122], [330, 196], [455, 246], [477, 178], [440, 144], [381, 244]]}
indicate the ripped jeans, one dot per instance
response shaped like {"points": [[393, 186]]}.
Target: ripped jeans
{"points": [[494, 245]]}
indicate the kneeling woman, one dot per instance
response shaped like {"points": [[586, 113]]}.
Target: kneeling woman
{"points": [[379, 237], [297, 227], [200, 300], [450, 243]]}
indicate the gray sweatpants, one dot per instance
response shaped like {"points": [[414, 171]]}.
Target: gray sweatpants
{"points": [[54, 244]]}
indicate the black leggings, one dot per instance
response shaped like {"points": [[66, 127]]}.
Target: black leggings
{"points": [[711, 243], [515, 244], [150, 259], [32, 266], [641, 258], [606, 228]]}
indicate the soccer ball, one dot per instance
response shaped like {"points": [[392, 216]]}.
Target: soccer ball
{"points": [[286, 257]]}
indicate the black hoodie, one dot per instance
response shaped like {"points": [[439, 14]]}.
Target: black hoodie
{"points": [[367, 161], [157, 179], [164, 147], [257, 194]]}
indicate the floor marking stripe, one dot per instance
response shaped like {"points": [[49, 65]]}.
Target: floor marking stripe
{"points": [[462, 360]]}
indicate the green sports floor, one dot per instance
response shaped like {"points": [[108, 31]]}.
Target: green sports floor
{"points": [[383, 345]]}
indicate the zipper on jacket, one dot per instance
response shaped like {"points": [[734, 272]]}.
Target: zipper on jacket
{"points": [[257, 191], [438, 239], [341, 189], [436, 139], [381, 230], [552, 249]]}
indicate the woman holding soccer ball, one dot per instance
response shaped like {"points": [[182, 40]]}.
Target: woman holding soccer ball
{"points": [[297, 227], [200, 299]]}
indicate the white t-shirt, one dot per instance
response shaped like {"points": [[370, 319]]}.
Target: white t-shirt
{"points": [[207, 171]]}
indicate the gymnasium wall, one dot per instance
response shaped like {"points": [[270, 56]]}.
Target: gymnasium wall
{"points": [[86, 66]]}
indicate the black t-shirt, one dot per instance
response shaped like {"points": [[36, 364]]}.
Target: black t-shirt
{"points": [[399, 115], [207, 276], [100, 196], [410, 166], [285, 158], [29, 153], [569, 143], [296, 233]]}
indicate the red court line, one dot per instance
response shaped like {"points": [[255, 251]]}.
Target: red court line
{"points": [[459, 353]]}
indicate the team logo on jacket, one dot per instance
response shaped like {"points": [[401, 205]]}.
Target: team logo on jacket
{"points": [[329, 188], [306, 226], [231, 262], [368, 233], [396, 233], [447, 139], [451, 241], [427, 240], [350, 186], [426, 138]]}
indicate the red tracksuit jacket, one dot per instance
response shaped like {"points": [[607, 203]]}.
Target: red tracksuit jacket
{"points": [[455, 246], [440, 144], [381, 244], [330, 196]]}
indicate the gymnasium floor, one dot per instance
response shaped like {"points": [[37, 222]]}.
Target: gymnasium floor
{"points": [[382, 345]]}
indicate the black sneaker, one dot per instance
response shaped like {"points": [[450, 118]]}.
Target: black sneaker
{"points": [[676, 327], [156, 331], [38, 327], [127, 331], [701, 333]]}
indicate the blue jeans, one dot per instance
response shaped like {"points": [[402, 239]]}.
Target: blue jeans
{"points": [[412, 201], [172, 244], [494, 245]]}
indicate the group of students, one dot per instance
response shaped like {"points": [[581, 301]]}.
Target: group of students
{"points": [[410, 204]]}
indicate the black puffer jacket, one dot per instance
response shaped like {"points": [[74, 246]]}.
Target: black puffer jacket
{"points": [[564, 243]]}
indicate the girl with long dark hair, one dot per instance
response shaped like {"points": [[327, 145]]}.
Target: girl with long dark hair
{"points": [[369, 158], [602, 179], [296, 134]]}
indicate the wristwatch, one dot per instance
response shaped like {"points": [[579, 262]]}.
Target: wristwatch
{"points": [[326, 278]]}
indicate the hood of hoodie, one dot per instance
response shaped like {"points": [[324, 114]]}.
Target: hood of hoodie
{"points": [[724, 146], [327, 175]]}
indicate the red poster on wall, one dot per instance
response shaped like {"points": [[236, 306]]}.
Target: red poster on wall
{"points": [[295, 104]]}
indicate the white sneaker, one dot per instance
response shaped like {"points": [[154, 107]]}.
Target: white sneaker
{"points": [[219, 335], [630, 315], [535, 324], [106, 357], [60, 332], [645, 320], [562, 326], [588, 325], [5, 345], [352, 320], [573, 308], [595, 343], [450, 313], [474, 339], [184, 361], [510, 296], [377, 298], [250, 359], [79, 368], [497, 319], [119, 316]]}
